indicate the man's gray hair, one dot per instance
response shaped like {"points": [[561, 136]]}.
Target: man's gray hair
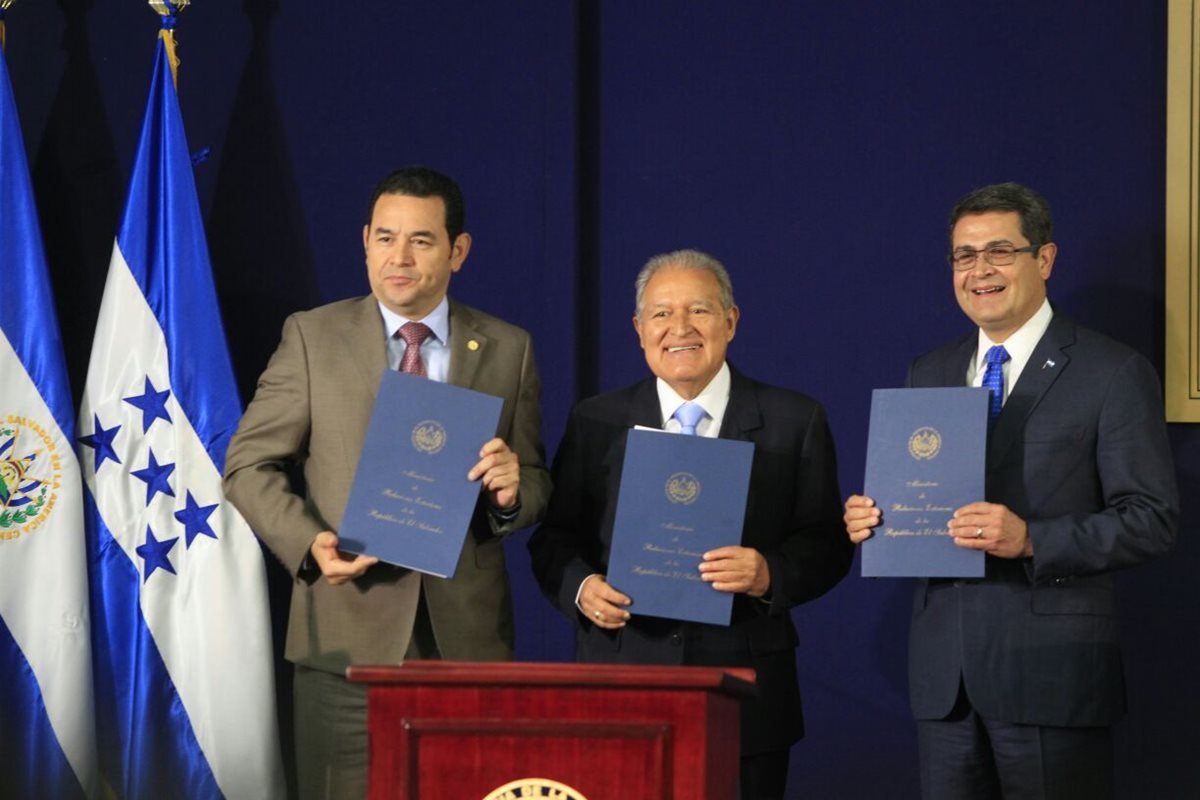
{"points": [[684, 259]]}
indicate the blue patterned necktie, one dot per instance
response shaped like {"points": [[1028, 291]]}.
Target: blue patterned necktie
{"points": [[689, 414], [993, 379]]}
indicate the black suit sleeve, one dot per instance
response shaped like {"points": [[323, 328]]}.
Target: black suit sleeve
{"points": [[809, 551], [1135, 515], [565, 547]]}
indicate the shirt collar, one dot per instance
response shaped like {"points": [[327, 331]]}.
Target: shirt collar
{"points": [[438, 320], [1020, 345], [713, 399]]}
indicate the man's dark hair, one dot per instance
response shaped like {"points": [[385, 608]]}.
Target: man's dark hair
{"points": [[1037, 224], [424, 182]]}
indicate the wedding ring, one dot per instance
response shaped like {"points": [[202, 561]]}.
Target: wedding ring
{"points": [[597, 613], [979, 533]]}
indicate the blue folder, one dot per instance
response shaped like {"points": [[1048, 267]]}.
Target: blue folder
{"points": [[411, 503], [679, 497], [926, 455]]}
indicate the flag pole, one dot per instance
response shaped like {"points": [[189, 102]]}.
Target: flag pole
{"points": [[4, 6], [168, 10], [179, 581], [47, 726]]}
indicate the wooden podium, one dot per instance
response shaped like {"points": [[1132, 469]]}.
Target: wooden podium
{"points": [[508, 730]]}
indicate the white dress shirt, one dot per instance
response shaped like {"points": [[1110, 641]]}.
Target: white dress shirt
{"points": [[713, 399], [1019, 346], [435, 350]]}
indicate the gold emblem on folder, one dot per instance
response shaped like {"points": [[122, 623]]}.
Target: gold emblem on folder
{"points": [[924, 444], [683, 488], [429, 436]]}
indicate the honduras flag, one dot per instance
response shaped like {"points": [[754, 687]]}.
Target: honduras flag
{"points": [[185, 698], [47, 736]]}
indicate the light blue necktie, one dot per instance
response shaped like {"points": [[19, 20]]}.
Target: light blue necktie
{"points": [[689, 414], [993, 379]]}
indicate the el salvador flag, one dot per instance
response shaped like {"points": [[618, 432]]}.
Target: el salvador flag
{"points": [[185, 698], [47, 736]]}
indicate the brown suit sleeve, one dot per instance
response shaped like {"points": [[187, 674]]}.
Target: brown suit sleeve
{"points": [[527, 444], [271, 439]]}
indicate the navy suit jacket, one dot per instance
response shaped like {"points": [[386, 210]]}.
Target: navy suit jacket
{"points": [[793, 517], [1079, 452]]}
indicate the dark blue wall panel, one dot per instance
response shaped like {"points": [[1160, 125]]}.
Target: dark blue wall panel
{"points": [[814, 147]]}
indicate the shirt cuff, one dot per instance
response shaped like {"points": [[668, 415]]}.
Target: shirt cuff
{"points": [[579, 591], [505, 516], [309, 570]]}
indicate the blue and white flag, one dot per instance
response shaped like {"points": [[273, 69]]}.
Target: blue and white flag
{"points": [[47, 736], [185, 697]]}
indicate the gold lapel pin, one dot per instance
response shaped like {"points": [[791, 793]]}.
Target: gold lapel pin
{"points": [[472, 345]]}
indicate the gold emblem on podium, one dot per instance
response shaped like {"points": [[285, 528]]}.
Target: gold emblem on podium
{"points": [[526, 788]]}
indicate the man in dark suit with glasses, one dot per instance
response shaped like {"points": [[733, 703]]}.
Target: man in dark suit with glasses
{"points": [[1016, 678]]}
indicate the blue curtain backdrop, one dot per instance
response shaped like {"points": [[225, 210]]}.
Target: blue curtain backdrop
{"points": [[815, 148]]}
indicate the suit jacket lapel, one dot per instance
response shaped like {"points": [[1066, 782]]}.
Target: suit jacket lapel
{"points": [[366, 342], [960, 361], [644, 408], [742, 414], [1048, 361], [468, 346]]}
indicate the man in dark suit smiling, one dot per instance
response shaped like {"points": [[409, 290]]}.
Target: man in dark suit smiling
{"points": [[1015, 678], [790, 550]]}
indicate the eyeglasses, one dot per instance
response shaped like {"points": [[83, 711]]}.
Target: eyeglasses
{"points": [[999, 255]]}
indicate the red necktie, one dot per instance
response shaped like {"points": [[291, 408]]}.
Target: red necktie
{"points": [[413, 333]]}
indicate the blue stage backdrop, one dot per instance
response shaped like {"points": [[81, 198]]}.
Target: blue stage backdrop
{"points": [[814, 148]]}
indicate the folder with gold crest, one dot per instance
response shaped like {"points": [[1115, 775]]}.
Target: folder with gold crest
{"points": [[411, 503]]}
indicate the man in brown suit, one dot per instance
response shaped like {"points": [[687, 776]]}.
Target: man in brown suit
{"points": [[311, 410]]}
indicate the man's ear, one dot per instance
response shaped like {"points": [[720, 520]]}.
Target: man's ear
{"points": [[459, 251], [1046, 255]]}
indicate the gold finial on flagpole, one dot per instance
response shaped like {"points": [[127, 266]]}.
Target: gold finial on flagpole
{"points": [[167, 9], [4, 6]]}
